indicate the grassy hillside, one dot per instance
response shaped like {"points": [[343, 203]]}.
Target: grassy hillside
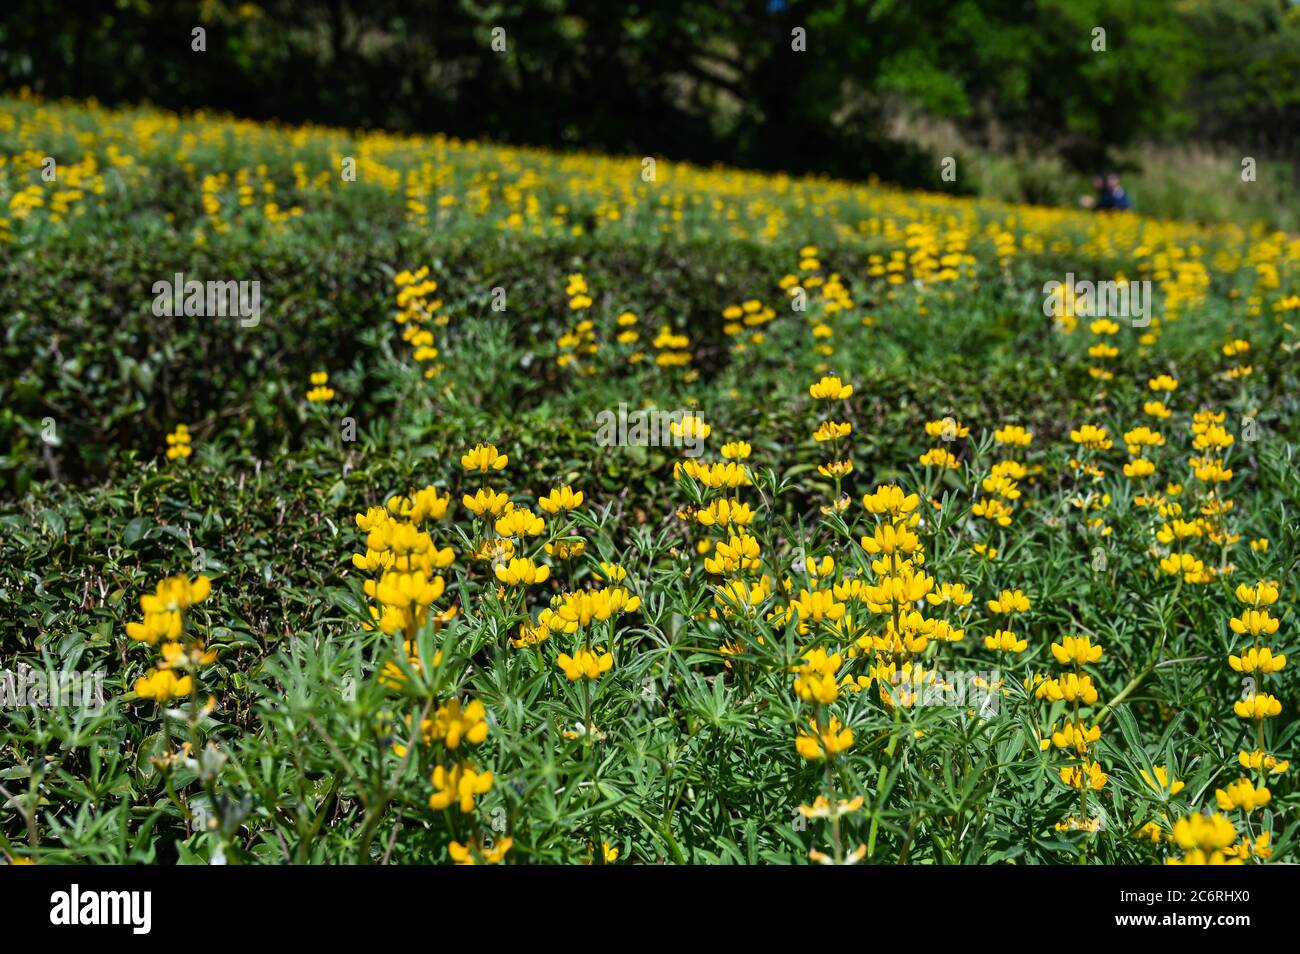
{"points": [[371, 590]]}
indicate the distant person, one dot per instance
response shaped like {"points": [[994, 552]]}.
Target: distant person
{"points": [[1110, 195]]}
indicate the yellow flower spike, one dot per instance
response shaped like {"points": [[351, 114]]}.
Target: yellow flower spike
{"points": [[1204, 832], [453, 724], [815, 679], [612, 572], [162, 685], [319, 392], [156, 626], [814, 606], [458, 785], [1260, 761], [955, 594], [830, 389], [1264, 593], [816, 744], [470, 854], [690, 426], [1005, 641], [1013, 435], [426, 504], [890, 500], [176, 593], [1257, 659], [1242, 794], [1009, 601], [1074, 736], [1254, 623], [829, 431], [561, 500], [1078, 650], [521, 571], [1091, 437], [739, 553], [889, 540], [725, 512], [486, 502], [584, 664], [948, 429], [939, 457], [1069, 687], [531, 635], [483, 458], [178, 443], [736, 450], [1087, 775], [1258, 707], [520, 522]]}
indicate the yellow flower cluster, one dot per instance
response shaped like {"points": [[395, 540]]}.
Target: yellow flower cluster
{"points": [[1256, 661], [178, 443], [320, 391], [404, 561], [948, 430], [419, 314], [1102, 351], [165, 611], [830, 389], [1075, 689], [743, 323]]}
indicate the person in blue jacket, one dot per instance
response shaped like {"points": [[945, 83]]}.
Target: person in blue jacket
{"points": [[1110, 195]]}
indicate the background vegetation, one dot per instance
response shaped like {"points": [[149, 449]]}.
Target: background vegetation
{"points": [[718, 80], [929, 304]]}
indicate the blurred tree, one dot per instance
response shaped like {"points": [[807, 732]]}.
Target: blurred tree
{"points": [[703, 80]]}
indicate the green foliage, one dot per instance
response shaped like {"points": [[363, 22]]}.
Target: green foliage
{"points": [[312, 751], [698, 80]]}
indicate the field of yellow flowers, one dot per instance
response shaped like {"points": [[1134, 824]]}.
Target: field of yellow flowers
{"points": [[550, 507]]}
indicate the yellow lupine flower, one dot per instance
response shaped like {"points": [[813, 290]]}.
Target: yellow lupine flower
{"points": [[814, 745], [1014, 435], [520, 522], [454, 723], [1242, 794], [486, 502], [521, 571], [830, 388], [561, 500], [458, 785], [1258, 659], [1086, 775], [1258, 707], [162, 685], [815, 679], [319, 392], [584, 664], [1005, 641], [1076, 649], [1263, 593], [1069, 687], [482, 458], [1009, 601], [1254, 623]]}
